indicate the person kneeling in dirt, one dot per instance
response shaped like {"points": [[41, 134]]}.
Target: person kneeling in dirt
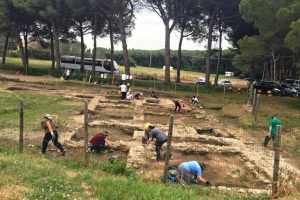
{"points": [[100, 143], [152, 132], [50, 133], [152, 95], [178, 104], [190, 170], [194, 100], [138, 96]]}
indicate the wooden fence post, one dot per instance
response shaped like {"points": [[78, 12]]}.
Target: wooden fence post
{"points": [[276, 160], [250, 94], [86, 134], [169, 145], [21, 138], [254, 101], [256, 106]]}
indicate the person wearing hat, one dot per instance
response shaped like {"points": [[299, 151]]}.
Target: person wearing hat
{"points": [[272, 129], [160, 138], [100, 142], [191, 169], [50, 134]]}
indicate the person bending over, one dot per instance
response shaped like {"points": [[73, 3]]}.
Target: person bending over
{"points": [[178, 104], [160, 138], [190, 169], [100, 143]]}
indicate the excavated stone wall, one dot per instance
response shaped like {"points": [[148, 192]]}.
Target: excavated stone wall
{"points": [[233, 162]]}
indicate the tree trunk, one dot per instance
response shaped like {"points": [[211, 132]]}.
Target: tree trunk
{"points": [[95, 46], [274, 66], [5, 49], [26, 51], [179, 55], [51, 48], [112, 49], [208, 53], [81, 48], [167, 53], [56, 45], [271, 70], [124, 46], [220, 54], [22, 51], [264, 71]]}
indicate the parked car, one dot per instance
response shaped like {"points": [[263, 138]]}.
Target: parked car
{"points": [[289, 81], [224, 83], [284, 89], [297, 83], [200, 81], [292, 82], [264, 86]]}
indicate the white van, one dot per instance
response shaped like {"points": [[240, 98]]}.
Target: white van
{"points": [[101, 65], [229, 74]]}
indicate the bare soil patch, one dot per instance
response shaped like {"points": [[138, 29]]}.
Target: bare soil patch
{"points": [[13, 192]]}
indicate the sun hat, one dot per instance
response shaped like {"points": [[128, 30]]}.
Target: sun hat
{"points": [[48, 116]]}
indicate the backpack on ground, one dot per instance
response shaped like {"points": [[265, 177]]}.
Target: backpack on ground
{"points": [[172, 173]]}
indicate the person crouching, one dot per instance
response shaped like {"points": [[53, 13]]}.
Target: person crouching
{"points": [[189, 170], [100, 143]]}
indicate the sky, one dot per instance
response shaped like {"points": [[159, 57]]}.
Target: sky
{"points": [[149, 34]]}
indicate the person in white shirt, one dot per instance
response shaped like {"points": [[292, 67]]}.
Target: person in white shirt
{"points": [[194, 100], [123, 90], [68, 74], [129, 95]]}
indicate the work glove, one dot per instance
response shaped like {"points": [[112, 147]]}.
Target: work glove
{"points": [[208, 183]]}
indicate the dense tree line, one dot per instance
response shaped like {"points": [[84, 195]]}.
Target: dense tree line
{"points": [[273, 53], [265, 34]]}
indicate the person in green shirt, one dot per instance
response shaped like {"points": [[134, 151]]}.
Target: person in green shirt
{"points": [[272, 129]]}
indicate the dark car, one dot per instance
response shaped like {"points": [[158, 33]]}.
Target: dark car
{"points": [[289, 81], [264, 86], [284, 89]]}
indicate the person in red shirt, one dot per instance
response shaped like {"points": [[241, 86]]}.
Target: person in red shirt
{"points": [[178, 104], [100, 142]]}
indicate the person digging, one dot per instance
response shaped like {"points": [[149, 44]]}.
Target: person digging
{"points": [[100, 143], [178, 105], [160, 138], [189, 170], [50, 134]]}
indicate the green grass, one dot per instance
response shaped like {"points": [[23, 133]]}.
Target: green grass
{"points": [[46, 177], [35, 107], [36, 67], [42, 67]]}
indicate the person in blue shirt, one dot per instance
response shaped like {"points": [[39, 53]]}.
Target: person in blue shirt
{"points": [[191, 169]]}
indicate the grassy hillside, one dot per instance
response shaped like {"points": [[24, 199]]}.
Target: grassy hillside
{"points": [[33, 176], [42, 67]]}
